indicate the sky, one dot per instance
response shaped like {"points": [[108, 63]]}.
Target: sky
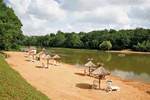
{"points": [[41, 17]]}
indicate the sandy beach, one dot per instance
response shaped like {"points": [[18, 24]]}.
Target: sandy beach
{"points": [[127, 51], [66, 82]]}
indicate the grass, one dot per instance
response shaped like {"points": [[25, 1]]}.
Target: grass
{"points": [[14, 87]]}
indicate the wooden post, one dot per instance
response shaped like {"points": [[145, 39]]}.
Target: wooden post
{"points": [[99, 81], [89, 71], [84, 72], [47, 62]]}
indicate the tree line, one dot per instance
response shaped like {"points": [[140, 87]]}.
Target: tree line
{"points": [[11, 36], [136, 39]]}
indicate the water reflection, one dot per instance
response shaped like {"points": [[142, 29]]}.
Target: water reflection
{"points": [[143, 77], [130, 66]]}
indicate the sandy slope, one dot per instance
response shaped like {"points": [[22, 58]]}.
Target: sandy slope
{"points": [[66, 82]]}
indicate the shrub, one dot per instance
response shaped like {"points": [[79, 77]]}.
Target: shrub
{"points": [[144, 46], [105, 45]]}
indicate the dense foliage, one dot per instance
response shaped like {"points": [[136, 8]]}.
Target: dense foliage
{"points": [[122, 39], [10, 28], [144, 46]]}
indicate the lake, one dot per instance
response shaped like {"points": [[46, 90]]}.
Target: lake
{"points": [[128, 66]]}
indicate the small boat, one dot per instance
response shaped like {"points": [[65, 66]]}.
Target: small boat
{"points": [[121, 55]]}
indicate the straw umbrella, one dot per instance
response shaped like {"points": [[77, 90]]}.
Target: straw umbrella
{"points": [[100, 72], [40, 53], [47, 57], [32, 54], [90, 64], [57, 58]]}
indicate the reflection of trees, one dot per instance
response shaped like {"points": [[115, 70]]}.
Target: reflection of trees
{"points": [[132, 62], [136, 63], [105, 57]]}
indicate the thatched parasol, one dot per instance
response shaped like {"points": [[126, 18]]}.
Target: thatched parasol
{"points": [[100, 64], [100, 72], [32, 48], [47, 57], [57, 58], [90, 64], [40, 53], [32, 54]]}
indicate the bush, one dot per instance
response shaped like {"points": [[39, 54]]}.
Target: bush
{"points": [[38, 49], [144, 46], [105, 45]]}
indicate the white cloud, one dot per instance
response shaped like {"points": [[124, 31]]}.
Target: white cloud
{"points": [[40, 17], [141, 12], [87, 5], [105, 15]]}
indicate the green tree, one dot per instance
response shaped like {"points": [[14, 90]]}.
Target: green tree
{"points": [[58, 40], [106, 45], [10, 28], [73, 41], [144, 46]]}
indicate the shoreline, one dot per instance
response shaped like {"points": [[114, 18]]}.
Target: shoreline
{"points": [[67, 81], [142, 86], [127, 51]]}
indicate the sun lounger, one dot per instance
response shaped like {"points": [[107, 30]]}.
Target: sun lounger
{"points": [[95, 85], [44, 66], [32, 60], [55, 64], [112, 88]]}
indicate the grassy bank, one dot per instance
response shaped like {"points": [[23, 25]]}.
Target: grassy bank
{"points": [[14, 87]]}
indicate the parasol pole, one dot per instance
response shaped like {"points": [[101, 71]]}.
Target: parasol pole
{"points": [[89, 71], [99, 81], [47, 62]]}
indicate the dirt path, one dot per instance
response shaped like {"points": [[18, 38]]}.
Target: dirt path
{"points": [[66, 82]]}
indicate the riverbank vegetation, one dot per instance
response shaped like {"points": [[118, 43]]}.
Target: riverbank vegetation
{"points": [[14, 87], [134, 39]]}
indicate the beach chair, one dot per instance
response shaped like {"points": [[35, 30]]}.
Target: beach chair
{"points": [[32, 60], [55, 64], [111, 88], [95, 85], [44, 66]]}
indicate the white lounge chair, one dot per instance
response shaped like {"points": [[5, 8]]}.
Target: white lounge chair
{"points": [[95, 85], [32, 60], [112, 88], [55, 64], [44, 66]]}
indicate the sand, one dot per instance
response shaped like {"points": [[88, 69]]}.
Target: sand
{"points": [[66, 82], [128, 51]]}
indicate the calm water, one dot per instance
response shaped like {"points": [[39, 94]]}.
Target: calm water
{"points": [[128, 66]]}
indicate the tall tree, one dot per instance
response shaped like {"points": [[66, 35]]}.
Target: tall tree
{"points": [[10, 28]]}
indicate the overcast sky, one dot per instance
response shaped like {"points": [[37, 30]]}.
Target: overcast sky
{"points": [[40, 17]]}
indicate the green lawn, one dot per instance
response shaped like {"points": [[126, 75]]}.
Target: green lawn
{"points": [[14, 87]]}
